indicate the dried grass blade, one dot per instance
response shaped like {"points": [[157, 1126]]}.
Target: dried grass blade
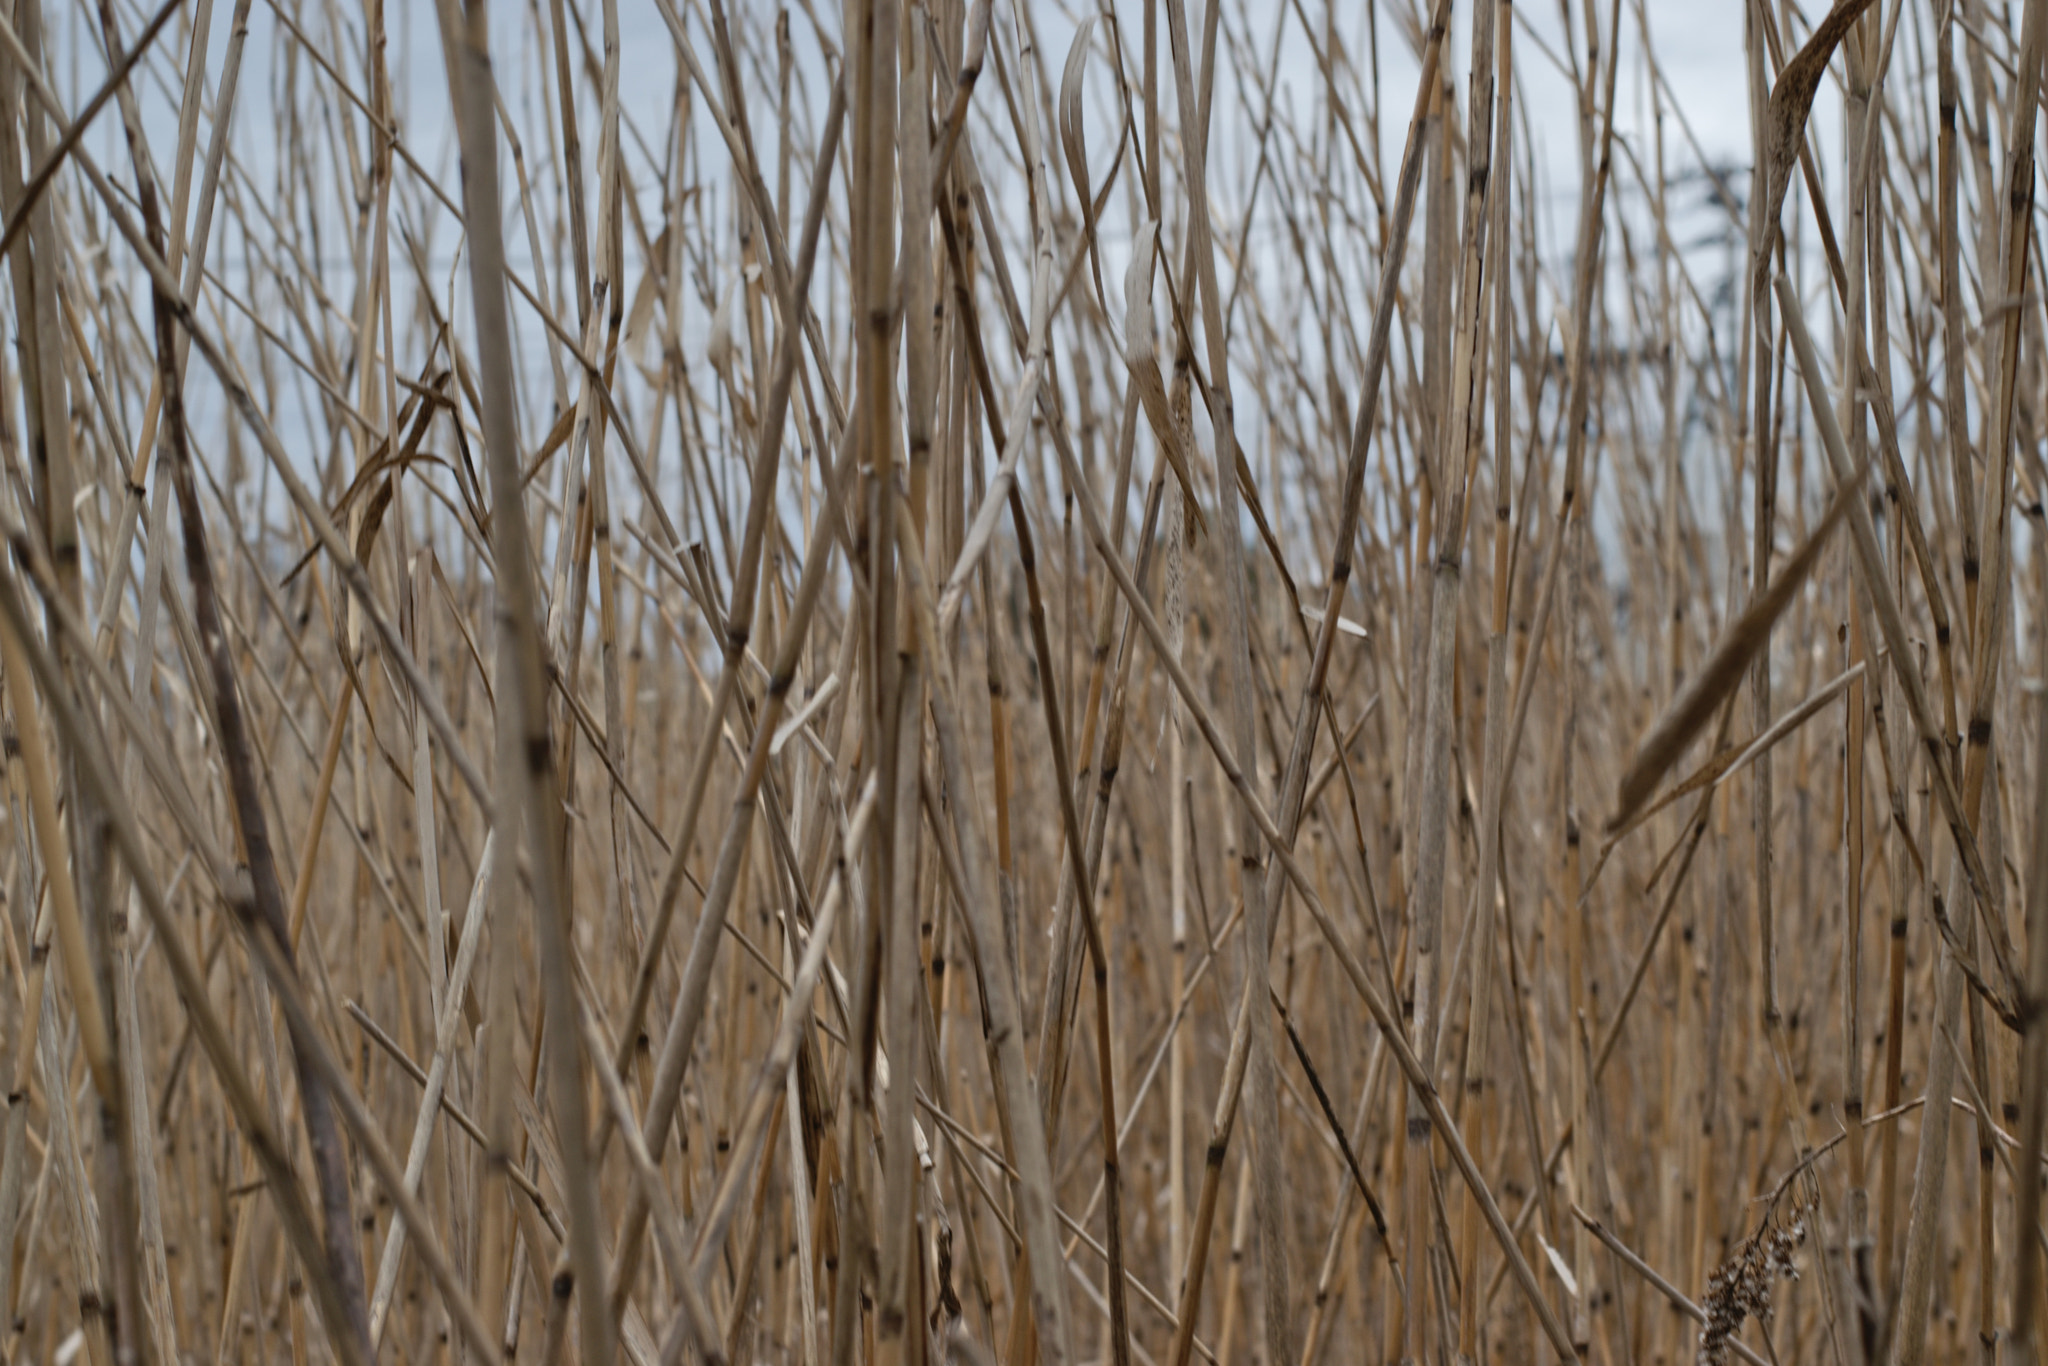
{"points": [[1723, 670]]}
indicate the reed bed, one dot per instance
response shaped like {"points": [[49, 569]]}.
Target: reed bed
{"points": [[878, 719]]}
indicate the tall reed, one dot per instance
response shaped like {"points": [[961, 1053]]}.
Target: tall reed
{"points": [[509, 512]]}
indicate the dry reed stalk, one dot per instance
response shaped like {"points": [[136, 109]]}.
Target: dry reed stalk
{"points": [[1860, 134], [1260, 1075], [2027, 1203], [523, 747], [262, 896], [1870, 563], [776, 599], [1477, 1068], [1340, 572], [1262, 822], [294, 1213], [1908, 1334]]}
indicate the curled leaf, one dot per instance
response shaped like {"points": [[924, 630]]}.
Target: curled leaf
{"points": [[1072, 125], [1074, 141], [1167, 434], [1791, 102], [1138, 332], [1141, 355]]}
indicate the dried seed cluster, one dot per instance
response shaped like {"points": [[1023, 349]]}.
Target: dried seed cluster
{"points": [[1740, 1287]]}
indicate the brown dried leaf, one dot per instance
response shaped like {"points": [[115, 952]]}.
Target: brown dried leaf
{"points": [[1723, 670], [1792, 101]]}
